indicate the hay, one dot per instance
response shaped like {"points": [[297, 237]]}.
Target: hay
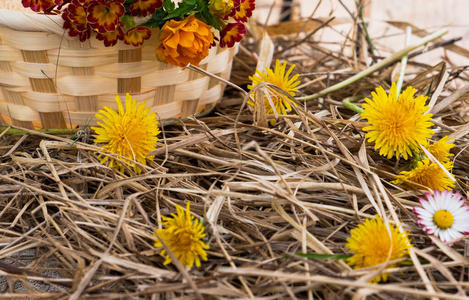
{"points": [[72, 228]]}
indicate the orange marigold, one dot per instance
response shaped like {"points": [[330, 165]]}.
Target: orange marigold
{"points": [[184, 42]]}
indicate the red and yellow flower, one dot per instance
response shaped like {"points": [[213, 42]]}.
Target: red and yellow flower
{"points": [[103, 16], [184, 42], [110, 38], [61, 3], [77, 15], [75, 21], [232, 33], [244, 10], [144, 7], [85, 3], [183, 38], [39, 5], [73, 31], [136, 36]]}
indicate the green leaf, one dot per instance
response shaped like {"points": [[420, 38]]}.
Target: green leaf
{"points": [[128, 21], [183, 10], [201, 3], [157, 20], [429, 89], [323, 256], [211, 20], [169, 6]]}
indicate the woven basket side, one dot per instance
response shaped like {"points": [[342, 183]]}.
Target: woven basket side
{"points": [[50, 80], [29, 21], [160, 98]]}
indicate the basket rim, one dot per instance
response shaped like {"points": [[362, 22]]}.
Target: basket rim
{"points": [[31, 21]]}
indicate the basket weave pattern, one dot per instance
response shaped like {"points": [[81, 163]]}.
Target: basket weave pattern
{"points": [[50, 80]]}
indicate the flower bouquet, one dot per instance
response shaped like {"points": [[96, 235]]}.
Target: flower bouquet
{"points": [[63, 60], [186, 29]]}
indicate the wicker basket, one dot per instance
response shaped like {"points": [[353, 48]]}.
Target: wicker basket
{"points": [[49, 80]]}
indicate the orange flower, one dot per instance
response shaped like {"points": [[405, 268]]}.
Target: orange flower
{"points": [[110, 38], [184, 42], [231, 33], [104, 15], [136, 36], [144, 7]]}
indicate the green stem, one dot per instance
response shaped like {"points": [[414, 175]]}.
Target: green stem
{"points": [[13, 131], [375, 67], [367, 35], [353, 107], [400, 81]]}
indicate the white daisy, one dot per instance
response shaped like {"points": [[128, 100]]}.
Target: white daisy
{"points": [[444, 215]]}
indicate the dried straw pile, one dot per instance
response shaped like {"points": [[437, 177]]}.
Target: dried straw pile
{"points": [[74, 229]]}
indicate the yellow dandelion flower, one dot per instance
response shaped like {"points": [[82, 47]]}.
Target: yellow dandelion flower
{"points": [[397, 124], [130, 132], [427, 174], [182, 234], [440, 150], [372, 245], [273, 99]]}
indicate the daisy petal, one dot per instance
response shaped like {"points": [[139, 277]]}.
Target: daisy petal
{"points": [[443, 214]]}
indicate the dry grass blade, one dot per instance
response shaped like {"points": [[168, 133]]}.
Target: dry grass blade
{"points": [[449, 100], [72, 228]]}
